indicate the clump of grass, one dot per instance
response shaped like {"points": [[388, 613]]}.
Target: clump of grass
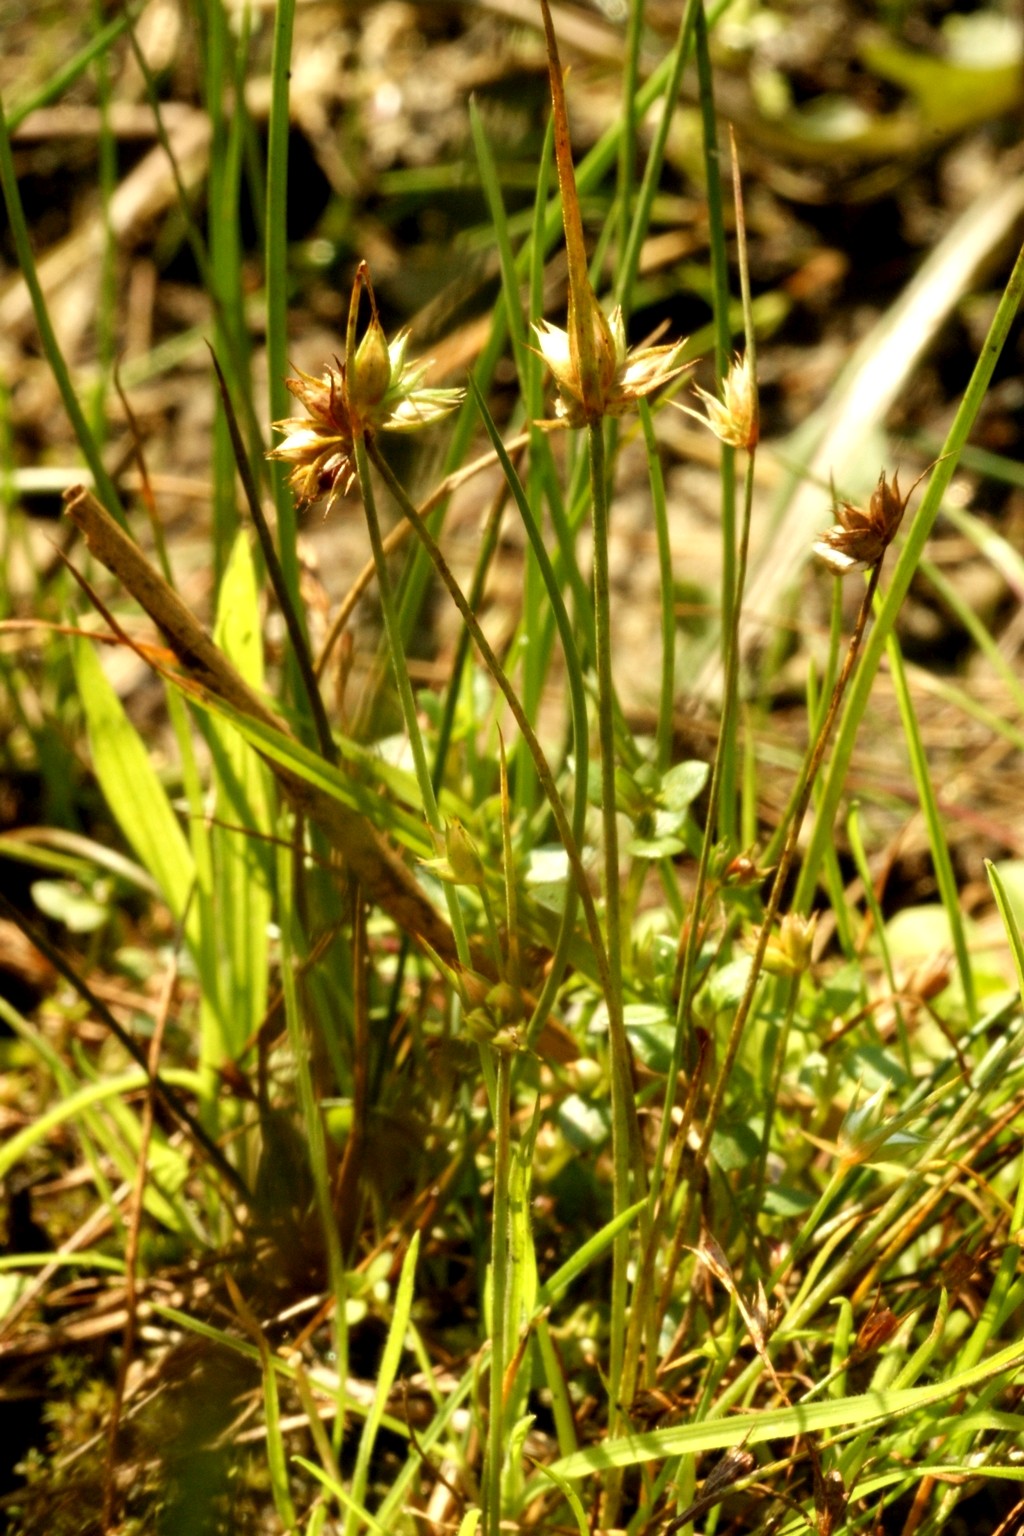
{"points": [[466, 1183]]}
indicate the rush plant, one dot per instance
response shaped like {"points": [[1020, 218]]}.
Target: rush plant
{"points": [[488, 1117]]}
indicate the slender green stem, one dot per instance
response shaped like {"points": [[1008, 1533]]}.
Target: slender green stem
{"points": [[779, 884], [276, 262], [106, 311], [312, 1114], [665, 1168], [493, 665], [605, 710], [910, 556], [686, 987], [577, 708], [622, 1100], [499, 1293], [725, 809], [627, 143], [666, 700], [669, 79], [405, 694], [770, 1090]]}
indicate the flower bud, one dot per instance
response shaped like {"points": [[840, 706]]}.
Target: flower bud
{"points": [[503, 998], [369, 374], [789, 951], [466, 863]]}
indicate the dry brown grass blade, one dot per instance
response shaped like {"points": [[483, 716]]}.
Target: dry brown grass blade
{"points": [[383, 876]]}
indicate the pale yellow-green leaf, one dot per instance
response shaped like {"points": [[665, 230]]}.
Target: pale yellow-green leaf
{"points": [[133, 792], [241, 907]]}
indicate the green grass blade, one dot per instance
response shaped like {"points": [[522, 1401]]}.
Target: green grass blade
{"points": [[872, 1408], [860, 859], [362, 794], [106, 307], [978, 631], [277, 1456], [436, 1433], [510, 280], [386, 1374], [360, 1515], [276, 279], [555, 1287], [225, 254], [1010, 922], [72, 1105], [667, 696], [241, 913], [68, 73], [133, 792], [85, 1258], [727, 458]]}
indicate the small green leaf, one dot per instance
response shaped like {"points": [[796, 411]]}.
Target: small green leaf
{"points": [[584, 1124], [651, 1034], [783, 1200], [655, 847], [68, 904], [725, 988], [682, 784], [735, 1146]]}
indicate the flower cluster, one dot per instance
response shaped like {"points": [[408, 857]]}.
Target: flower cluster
{"points": [[790, 948], [861, 536], [318, 446], [595, 374], [735, 418], [379, 390], [621, 376]]}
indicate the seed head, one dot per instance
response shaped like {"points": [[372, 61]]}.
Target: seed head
{"points": [[623, 376], [595, 375], [735, 418], [378, 391], [319, 446], [370, 375], [861, 537]]}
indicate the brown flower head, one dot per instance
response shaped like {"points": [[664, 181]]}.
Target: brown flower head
{"points": [[623, 377], [861, 537], [595, 375], [319, 446], [379, 392]]}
